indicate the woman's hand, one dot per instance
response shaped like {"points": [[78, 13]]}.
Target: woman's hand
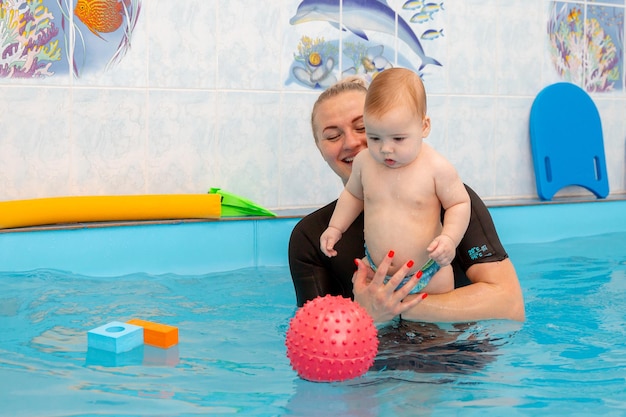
{"points": [[381, 300]]}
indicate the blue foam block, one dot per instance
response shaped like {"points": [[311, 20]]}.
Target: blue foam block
{"points": [[115, 337], [97, 357]]}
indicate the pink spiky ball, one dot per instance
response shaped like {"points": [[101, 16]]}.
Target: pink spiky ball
{"points": [[330, 339]]}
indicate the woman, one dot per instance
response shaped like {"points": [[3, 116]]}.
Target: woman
{"points": [[486, 284]]}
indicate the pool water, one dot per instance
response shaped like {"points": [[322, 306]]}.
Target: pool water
{"points": [[568, 358]]}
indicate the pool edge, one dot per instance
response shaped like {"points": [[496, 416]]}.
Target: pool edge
{"points": [[199, 247]]}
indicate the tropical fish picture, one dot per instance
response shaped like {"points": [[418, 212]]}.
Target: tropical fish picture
{"points": [[42, 38], [316, 62], [101, 16], [586, 45], [102, 30]]}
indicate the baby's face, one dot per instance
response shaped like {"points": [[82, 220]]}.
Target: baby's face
{"points": [[395, 138]]}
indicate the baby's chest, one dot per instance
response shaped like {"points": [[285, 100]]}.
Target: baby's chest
{"points": [[383, 188]]}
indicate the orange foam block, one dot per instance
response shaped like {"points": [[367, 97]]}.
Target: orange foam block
{"points": [[157, 334]]}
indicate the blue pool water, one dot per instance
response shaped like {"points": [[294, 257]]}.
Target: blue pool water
{"points": [[568, 358]]}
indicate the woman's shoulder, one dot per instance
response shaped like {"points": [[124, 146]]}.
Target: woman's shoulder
{"points": [[316, 219]]}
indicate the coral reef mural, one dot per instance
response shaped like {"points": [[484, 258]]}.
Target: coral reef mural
{"points": [[586, 45], [28, 39], [41, 38], [319, 62]]}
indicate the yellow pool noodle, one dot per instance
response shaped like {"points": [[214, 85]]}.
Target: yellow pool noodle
{"points": [[58, 210]]}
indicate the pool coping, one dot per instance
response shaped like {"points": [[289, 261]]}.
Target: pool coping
{"points": [[195, 246]]}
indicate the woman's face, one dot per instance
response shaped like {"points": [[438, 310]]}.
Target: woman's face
{"points": [[339, 131]]}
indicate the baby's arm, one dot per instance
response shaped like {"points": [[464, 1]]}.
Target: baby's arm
{"points": [[348, 208], [456, 203]]}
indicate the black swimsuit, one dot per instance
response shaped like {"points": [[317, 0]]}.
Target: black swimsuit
{"points": [[314, 274]]}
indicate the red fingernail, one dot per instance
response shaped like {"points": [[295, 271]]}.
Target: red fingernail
{"points": [[356, 262], [424, 295], [390, 254], [410, 264], [419, 274]]}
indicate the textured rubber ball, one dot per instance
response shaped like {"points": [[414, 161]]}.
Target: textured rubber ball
{"points": [[330, 339]]}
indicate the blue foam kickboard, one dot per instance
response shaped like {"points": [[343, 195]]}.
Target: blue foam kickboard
{"points": [[115, 337], [566, 141]]}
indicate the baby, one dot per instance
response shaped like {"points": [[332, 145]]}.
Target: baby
{"points": [[402, 184]]}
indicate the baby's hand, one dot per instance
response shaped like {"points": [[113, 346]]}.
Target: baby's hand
{"points": [[442, 250], [328, 240]]}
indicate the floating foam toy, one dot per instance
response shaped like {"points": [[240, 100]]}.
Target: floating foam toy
{"points": [[157, 334], [236, 206], [58, 210], [116, 337], [331, 339]]}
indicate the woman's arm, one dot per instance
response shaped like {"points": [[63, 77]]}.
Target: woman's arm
{"points": [[313, 273], [495, 293]]}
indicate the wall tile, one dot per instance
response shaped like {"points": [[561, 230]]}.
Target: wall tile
{"points": [[472, 47], [306, 179], [35, 140], [514, 172], [206, 96], [182, 43], [249, 44], [470, 127], [248, 144], [109, 141], [181, 149], [614, 131], [520, 46]]}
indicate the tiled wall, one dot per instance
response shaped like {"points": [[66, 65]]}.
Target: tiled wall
{"points": [[204, 98]]}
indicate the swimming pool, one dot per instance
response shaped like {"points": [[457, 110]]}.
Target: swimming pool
{"points": [[226, 286]]}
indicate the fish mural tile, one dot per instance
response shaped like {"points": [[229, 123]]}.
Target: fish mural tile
{"points": [[433, 35], [315, 60], [365, 34], [586, 45], [32, 43], [104, 33], [43, 38]]}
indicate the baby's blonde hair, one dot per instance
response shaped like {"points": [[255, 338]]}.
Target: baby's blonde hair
{"points": [[351, 83], [393, 87]]}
